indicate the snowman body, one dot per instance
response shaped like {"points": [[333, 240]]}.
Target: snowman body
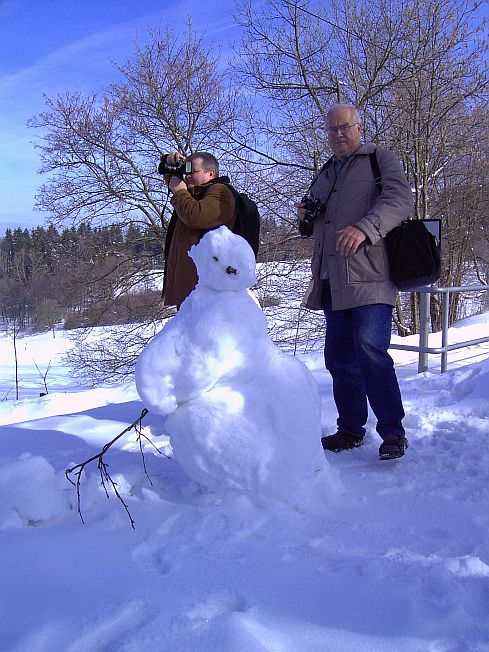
{"points": [[241, 414]]}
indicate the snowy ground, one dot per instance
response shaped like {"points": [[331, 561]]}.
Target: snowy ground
{"points": [[397, 561]]}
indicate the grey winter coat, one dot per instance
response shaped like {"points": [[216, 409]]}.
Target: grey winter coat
{"points": [[353, 199]]}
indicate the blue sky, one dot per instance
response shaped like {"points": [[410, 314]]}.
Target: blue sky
{"points": [[52, 46]]}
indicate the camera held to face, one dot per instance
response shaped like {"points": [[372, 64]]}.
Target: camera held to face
{"points": [[313, 209], [178, 169]]}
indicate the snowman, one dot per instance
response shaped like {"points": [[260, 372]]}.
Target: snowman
{"points": [[242, 415]]}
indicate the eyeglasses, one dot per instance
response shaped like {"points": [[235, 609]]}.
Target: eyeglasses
{"points": [[195, 171], [334, 130]]}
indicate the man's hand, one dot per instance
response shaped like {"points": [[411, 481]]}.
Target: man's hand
{"points": [[348, 240], [175, 158], [176, 184], [301, 211]]}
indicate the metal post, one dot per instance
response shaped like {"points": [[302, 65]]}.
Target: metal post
{"points": [[423, 349], [444, 330], [424, 330]]}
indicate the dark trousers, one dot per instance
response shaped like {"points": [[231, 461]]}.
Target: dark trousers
{"points": [[356, 356]]}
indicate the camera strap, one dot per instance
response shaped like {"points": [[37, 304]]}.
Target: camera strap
{"points": [[318, 174], [162, 212]]}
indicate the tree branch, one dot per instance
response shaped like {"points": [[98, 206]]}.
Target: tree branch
{"points": [[103, 468]]}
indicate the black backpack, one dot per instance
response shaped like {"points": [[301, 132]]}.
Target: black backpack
{"points": [[247, 223]]}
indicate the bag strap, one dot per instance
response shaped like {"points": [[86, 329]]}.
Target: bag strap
{"points": [[320, 171], [376, 170]]}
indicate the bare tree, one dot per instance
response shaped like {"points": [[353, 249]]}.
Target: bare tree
{"points": [[417, 71], [437, 129], [101, 154], [12, 329]]}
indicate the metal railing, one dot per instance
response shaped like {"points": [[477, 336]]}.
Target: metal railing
{"points": [[424, 326]]}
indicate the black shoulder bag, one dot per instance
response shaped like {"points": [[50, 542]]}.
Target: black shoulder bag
{"points": [[412, 247]]}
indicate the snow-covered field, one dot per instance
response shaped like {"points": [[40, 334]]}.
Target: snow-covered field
{"points": [[398, 559]]}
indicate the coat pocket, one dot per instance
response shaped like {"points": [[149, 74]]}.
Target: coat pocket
{"points": [[368, 265]]}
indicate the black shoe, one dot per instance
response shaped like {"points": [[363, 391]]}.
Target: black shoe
{"points": [[393, 448], [341, 441]]}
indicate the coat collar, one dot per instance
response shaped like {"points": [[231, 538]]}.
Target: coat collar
{"points": [[200, 190]]}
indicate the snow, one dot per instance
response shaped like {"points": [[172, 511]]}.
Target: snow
{"points": [[241, 414], [396, 557]]}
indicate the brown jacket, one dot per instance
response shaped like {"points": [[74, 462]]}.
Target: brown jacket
{"points": [[197, 210], [353, 199]]}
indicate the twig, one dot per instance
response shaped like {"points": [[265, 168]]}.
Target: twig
{"points": [[140, 437], [102, 466], [45, 375]]}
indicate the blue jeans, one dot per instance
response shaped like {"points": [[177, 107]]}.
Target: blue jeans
{"points": [[356, 356]]}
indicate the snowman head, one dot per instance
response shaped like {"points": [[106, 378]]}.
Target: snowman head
{"points": [[224, 261]]}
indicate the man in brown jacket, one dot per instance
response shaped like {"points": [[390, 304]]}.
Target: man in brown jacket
{"points": [[350, 281], [202, 201]]}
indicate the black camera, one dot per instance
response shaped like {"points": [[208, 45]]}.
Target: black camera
{"points": [[313, 208], [179, 169]]}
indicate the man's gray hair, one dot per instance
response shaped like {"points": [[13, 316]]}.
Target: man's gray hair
{"points": [[209, 161], [355, 116]]}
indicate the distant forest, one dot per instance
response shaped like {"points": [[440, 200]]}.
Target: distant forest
{"points": [[97, 276], [77, 275]]}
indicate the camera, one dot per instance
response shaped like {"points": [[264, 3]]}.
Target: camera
{"points": [[179, 169], [313, 209]]}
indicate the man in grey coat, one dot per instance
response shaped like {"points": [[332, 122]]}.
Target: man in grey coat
{"points": [[350, 281]]}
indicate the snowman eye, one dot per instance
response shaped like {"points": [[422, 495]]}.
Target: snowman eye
{"points": [[215, 258]]}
